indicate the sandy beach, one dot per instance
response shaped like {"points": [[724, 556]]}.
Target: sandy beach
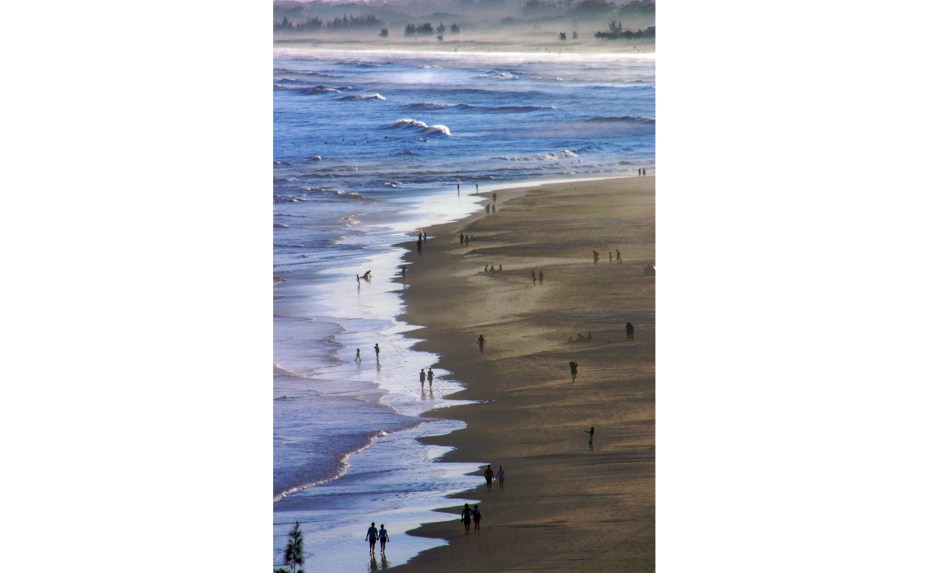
{"points": [[564, 507]]}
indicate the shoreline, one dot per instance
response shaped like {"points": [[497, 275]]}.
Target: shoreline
{"points": [[531, 417]]}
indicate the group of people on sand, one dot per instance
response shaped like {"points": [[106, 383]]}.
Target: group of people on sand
{"points": [[466, 239], [373, 535], [618, 256], [423, 376], [468, 513], [493, 269], [540, 278], [642, 172], [581, 338], [366, 276]]}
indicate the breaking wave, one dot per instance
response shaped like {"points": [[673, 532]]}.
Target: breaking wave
{"points": [[420, 127], [566, 154], [362, 97]]}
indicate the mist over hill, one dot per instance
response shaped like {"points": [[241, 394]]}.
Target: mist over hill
{"points": [[452, 20]]}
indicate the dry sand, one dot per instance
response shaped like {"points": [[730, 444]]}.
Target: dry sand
{"points": [[564, 508]]}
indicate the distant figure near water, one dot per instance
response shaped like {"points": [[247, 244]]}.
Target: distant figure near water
{"points": [[573, 371], [466, 514], [618, 255], [371, 536], [476, 519], [480, 342], [488, 475], [590, 432], [431, 377], [357, 355], [422, 378], [533, 277], [595, 257], [500, 475], [383, 538], [377, 351]]}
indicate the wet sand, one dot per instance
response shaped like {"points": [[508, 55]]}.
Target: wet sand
{"points": [[564, 507]]}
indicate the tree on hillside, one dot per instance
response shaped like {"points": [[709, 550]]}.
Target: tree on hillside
{"points": [[293, 555]]}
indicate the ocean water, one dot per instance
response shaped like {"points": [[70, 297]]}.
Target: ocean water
{"points": [[368, 148]]}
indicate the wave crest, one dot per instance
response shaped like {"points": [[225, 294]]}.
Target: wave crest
{"points": [[566, 154], [420, 127]]}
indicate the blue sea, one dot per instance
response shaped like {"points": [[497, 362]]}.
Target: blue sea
{"points": [[369, 147]]}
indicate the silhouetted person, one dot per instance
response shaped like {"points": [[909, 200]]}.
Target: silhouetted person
{"points": [[476, 519], [590, 432], [610, 256], [462, 239], [383, 538], [541, 277], [377, 351], [500, 475], [466, 514], [533, 277], [573, 371], [420, 235], [422, 378], [357, 355], [357, 278], [595, 257], [486, 268], [480, 342], [431, 377], [494, 196], [372, 537], [459, 188], [488, 208], [404, 272], [494, 207], [629, 331], [477, 187], [488, 475], [618, 255]]}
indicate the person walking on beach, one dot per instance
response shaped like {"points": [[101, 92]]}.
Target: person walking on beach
{"points": [[494, 196], [573, 371], [466, 514], [459, 188], [595, 257], [618, 256], [371, 536], [431, 377], [422, 378], [357, 355], [477, 187], [500, 476], [488, 475], [541, 277], [476, 519], [533, 277], [629, 332], [383, 538], [480, 342], [488, 208], [404, 272], [590, 432], [462, 239], [377, 351]]}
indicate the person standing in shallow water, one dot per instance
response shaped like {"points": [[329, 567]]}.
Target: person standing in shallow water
{"points": [[422, 378], [377, 351], [590, 432], [357, 355], [431, 377], [488, 475], [383, 538], [371, 536], [465, 517]]}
